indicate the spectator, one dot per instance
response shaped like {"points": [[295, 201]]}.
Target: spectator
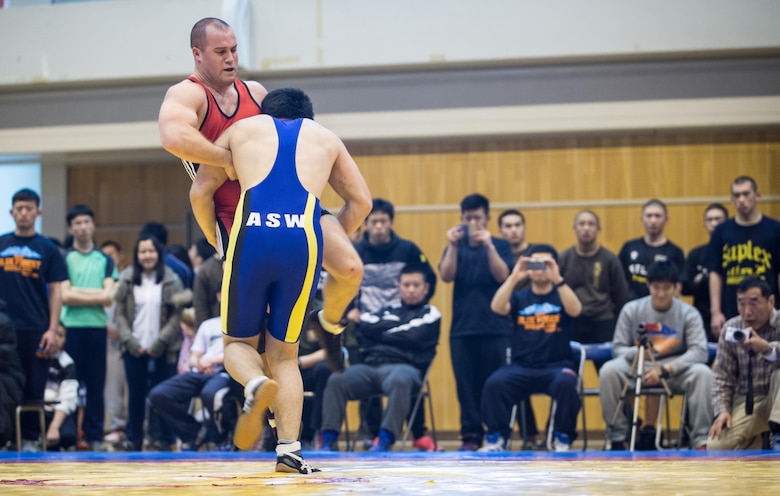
{"points": [[148, 323], [637, 254], [199, 252], [746, 245], [181, 269], [63, 387], [595, 275], [697, 277], [11, 377], [208, 283], [746, 388], [31, 275], [384, 255], [92, 278], [541, 353], [479, 339], [400, 346], [115, 391], [677, 341], [208, 380], [511, 226]]}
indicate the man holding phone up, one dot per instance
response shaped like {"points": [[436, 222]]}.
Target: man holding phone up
{"points": [[479, 339]]}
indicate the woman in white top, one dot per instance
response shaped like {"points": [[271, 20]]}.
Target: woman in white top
{"points": [[148, 322]]}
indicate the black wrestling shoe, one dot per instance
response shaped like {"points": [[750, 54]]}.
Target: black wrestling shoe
{"points": [[328, 341], [293, 463]]}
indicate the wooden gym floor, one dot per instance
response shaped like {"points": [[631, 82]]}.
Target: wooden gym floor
{"points": [[566, 474]]}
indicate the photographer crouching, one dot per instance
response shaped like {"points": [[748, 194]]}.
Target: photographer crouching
{"points": [[746, 387]]}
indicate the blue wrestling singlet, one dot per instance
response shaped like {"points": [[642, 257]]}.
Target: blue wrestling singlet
{"points": [[275, 250]]}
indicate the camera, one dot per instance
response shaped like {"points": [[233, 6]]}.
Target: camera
{"points": [[467, 239], [535, 265], [735, 335]]}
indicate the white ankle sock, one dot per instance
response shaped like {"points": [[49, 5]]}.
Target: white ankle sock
{"points": [[287, 447]]}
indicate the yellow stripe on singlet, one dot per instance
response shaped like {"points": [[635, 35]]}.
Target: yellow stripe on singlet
{"points": [[295, 324], [228, 265]]}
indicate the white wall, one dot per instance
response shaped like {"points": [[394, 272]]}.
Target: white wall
{"points": [[135, 39]]}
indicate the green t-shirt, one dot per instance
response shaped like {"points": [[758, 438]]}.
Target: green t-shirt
{"points": [[87, 270]]}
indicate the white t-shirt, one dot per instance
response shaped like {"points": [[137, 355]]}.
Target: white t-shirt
{"points": [[148, 303], [208, 339]]}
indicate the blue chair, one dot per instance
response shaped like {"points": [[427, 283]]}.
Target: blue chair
{"points": [[600, 352]]}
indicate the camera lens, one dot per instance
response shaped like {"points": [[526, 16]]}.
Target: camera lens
{"points": [[739, 335]]}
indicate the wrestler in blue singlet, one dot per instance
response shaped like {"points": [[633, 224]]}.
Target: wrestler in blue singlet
{"points": [[275, 251]]}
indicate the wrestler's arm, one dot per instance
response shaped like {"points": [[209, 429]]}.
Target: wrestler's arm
{"points": [[178, 122], [347, 181], [206, 183]]}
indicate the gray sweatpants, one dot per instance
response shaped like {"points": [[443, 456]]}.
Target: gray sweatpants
{"points": [[359, 381], [695, 382]]}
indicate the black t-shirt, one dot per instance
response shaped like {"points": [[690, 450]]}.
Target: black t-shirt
{"points": [[474, 289], [27, 266], [542, 330], [736, 252], [636, 255]]}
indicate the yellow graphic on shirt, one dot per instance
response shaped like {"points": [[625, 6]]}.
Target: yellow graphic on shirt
{"points": [[742, 260], [27, 267]]}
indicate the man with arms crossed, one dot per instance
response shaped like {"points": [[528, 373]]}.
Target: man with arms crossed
{"points": [[274, 257], [193, 114]]}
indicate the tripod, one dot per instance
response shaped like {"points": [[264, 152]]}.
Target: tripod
{"points": [[635, 373]]}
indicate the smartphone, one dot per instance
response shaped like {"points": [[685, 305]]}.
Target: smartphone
{"points": [[536, 265], [466, 239]]}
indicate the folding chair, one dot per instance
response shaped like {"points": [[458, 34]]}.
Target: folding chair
{"points": [[423, 394], [32, 406], [594, 353]]}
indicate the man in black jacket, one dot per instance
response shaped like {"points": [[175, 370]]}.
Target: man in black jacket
{"points": [[400, 344]]}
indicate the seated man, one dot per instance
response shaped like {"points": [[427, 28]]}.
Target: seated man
{"points": [[676, 339], [62, 386], [400, 346], [541, 317], [748, 361], [11, 377], [208, 380]]}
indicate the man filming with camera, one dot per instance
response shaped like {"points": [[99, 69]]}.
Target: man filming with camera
{"points": [[746, 387], [673, 334]]}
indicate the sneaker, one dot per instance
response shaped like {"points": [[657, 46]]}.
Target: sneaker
{"points": [[493, 443], [114, 436], [126, 445], [250, 423], [328, 341], [293, 463], [383, 442], [616, 446], [468, 446], [426, 443], [98, 446], [533, 445], [30, 446], [775, 438], [562, 442], [330, 441]]}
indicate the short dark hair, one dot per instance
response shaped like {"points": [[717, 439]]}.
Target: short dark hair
{"points": [[663, 271], [717, 206], [156, 229], [204, 249], [745, 179], [655, 201], [112, 243], [26, 194], [475, 201], [751, 282], [288, 103], [414, 268], [591, 212], [382, 205], [509, 212], [198, 33], [543, 248], [77, 210]]}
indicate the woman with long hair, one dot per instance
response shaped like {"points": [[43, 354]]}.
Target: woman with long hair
{"points": [[148, 322]]}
